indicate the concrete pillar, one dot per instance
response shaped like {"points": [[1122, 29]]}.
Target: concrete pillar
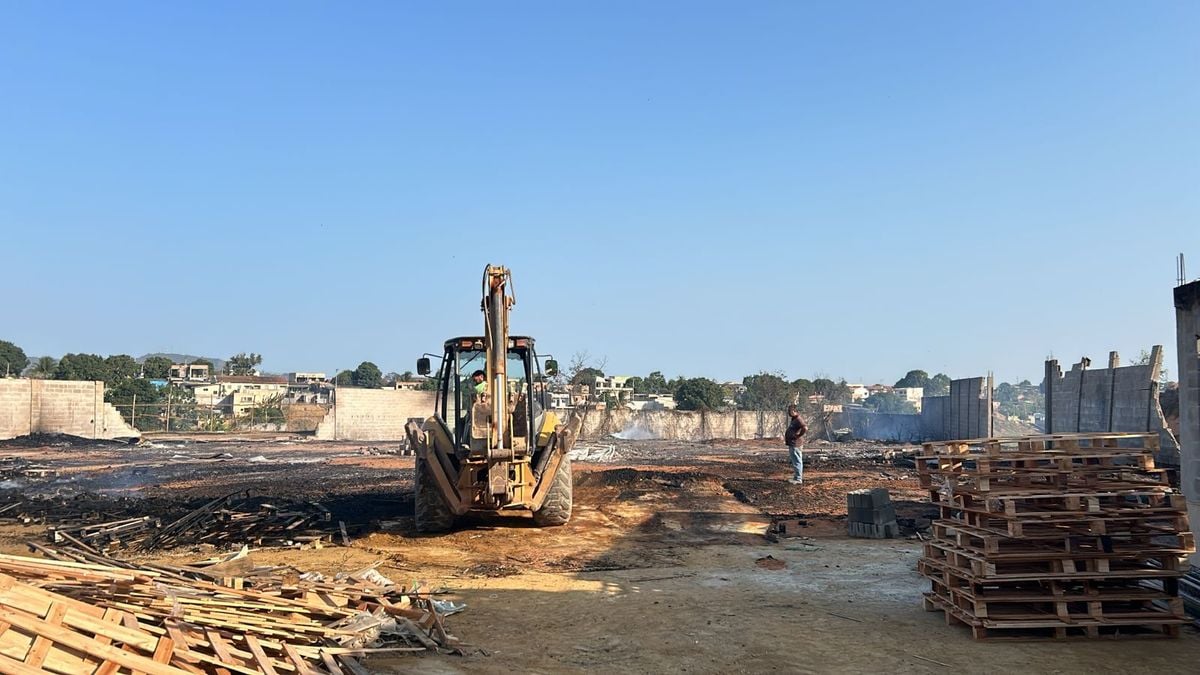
{"points": [[1187, 334]]}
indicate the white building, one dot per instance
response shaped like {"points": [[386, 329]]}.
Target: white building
{"points": [[858, 392], [614, 385], [911, 394]]}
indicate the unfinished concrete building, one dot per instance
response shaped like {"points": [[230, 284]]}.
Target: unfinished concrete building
{"points": [[1187, 333]]}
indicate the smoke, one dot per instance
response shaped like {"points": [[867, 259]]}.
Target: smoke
{"points": [[635, 432]]}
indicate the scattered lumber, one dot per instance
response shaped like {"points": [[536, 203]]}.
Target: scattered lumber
{"points": [[238, 519], [1056, 536], [72, 614]]}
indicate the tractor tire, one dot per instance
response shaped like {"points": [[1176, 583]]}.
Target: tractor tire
{"points": [[431, 512], [556, 510]]}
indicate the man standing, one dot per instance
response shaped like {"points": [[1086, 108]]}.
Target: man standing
{"points": [[796, 429]]}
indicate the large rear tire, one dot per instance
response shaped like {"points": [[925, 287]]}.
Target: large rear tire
{"points": [[556, 510], [431, 512]]}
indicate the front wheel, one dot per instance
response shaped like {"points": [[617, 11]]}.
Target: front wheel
{"points": [[556, 510]]}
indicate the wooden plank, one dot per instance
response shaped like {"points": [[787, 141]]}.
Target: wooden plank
{"points": [[11, 666], [164, 651], [74, 640], [41, 644], [260, 657], [331, 664], [302, 667]]}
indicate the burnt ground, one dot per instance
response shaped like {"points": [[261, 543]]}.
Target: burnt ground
{"points": [[664, 566]]}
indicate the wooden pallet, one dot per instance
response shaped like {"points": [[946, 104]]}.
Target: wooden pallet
{"points": [[173, 620], [1057, 540], [1054, 566], [1054, 627]]}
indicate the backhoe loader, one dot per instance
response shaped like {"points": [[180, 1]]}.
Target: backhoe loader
{"points": [[492, 444]]}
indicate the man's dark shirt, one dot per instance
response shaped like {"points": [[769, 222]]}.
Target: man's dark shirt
{"points": [[795, 430]]}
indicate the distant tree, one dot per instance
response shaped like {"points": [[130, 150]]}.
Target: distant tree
{"points": [[1005, 393], [123, 391], [803, 388], [587, 376], [583, 370], [887, 402], [834, 392], [637, 384], [204, 362], [429, 384], [938, 385], [655, 383], [367, 376], [344, 378], [243, 364], [407, 376], [699, 393], [121, 367], [127, 392], [12, 359], [81, 367], [157, 367], [765, 391], [43, 368], [914, 378]]}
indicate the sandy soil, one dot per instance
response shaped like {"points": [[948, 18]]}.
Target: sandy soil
{"points": [[664, 567]]}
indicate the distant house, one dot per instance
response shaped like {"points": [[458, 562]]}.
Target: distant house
{"points": [[560, 400], [189, 372], [305, 378], [858, 392], [252, 390], [911, 394], [308, 388], [614, 385], [651, 402]]}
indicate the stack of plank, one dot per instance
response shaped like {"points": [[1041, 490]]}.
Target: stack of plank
{"points": [[67, 616], [1058, 536]]}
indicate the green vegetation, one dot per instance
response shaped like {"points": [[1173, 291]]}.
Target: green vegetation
{"points": [[12, 359], [243, 364], [699, 393], [367, 375]]}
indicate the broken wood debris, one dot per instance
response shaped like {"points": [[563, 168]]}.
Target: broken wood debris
{"points": [[71, 614], [235, 518]]}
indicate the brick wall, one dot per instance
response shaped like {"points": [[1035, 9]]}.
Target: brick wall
{"points": [[373, 414], [68, 407]]}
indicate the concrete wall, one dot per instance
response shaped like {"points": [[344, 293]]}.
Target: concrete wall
{"points": [[67, 407], [1116, 398], [684, 425], [373, 414], [1187, 339]]}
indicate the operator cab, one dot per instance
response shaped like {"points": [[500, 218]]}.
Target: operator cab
{"points": [[456, 392]]}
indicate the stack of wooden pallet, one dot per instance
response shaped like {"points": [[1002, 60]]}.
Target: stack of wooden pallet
{"points": [[67, 616], [1055, 536]]}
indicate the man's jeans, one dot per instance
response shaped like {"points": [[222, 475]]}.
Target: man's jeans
{"points": [[796, 454]]}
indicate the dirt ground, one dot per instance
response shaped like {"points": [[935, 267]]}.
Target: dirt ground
{"points": [[664, 567]]}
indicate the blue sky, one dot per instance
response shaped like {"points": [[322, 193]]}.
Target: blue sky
{"points": [[851, 189]]}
